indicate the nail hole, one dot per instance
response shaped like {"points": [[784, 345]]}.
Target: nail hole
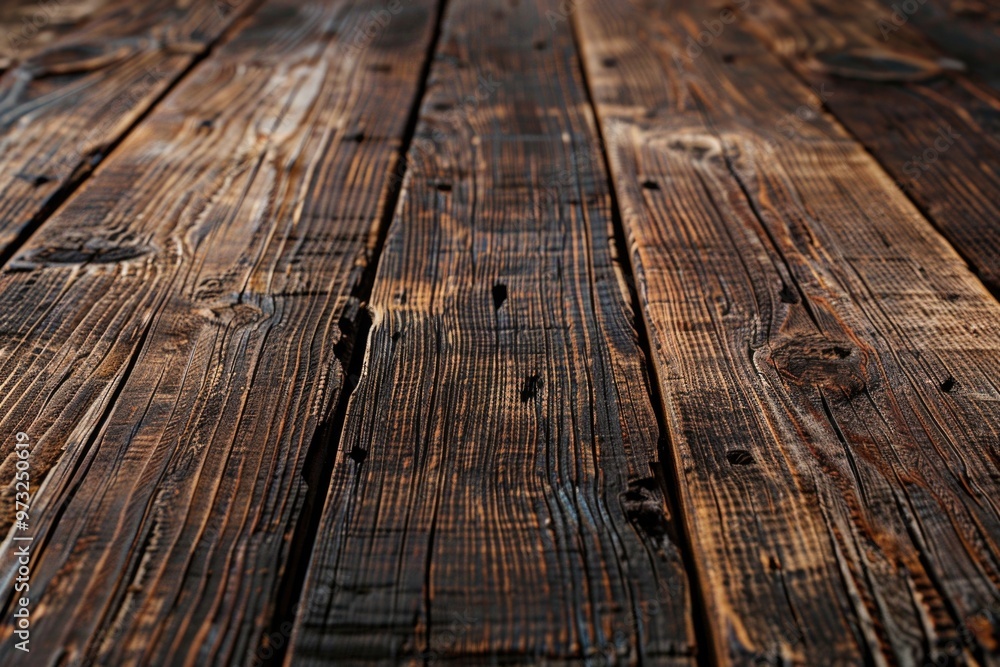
{"points": [[609, 62], [529, 390], [788, 295], [40, 180], [357, 137], [358, 455], [651, 185], [443, 187], [948, 384], [499, 295]]}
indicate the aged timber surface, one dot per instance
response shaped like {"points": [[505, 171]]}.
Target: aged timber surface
{"points": [[934, 129], [734, 400], [75, 87], [829, 376], [171, 339], [497, 493]]}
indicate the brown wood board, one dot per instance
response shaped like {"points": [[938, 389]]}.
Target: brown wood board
{"points": [[829, 377], [175, 337], [934, 129], [497, 495]]}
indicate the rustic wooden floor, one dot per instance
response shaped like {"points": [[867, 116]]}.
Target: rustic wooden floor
{"points": [[491, 332]]}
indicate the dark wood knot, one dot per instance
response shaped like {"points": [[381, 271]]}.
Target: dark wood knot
{"points": [[869, 64], [818, 361]]}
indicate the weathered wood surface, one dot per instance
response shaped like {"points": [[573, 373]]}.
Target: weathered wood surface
{"points": [[496, 495], [829, 376], [968, 30], [934, 129], [171, 339], [27, 26], [74, 89]]}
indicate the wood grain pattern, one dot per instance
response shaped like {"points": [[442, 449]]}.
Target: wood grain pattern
{"points": [[496, 498], [73, 92], [935, 130], [829, 376], [968, 30], [174, 338]]}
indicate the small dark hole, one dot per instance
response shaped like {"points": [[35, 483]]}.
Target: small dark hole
{"points": [[728, 58], [837, 351], [530, 388], [443, 187], [739, 457], [358, 455], [357, 137], [540, 45], [207, 124], [609, 62], [396, 335], [441, 106], [499, 295], [948, 384], [635, 496], [788, 295], [40, 180], [651, 185]]}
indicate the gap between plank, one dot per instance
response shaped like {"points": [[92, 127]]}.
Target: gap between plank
{"points": [[325, 446], [670, 479], [88, 163]]}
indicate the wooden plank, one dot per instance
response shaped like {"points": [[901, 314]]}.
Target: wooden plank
{"points": [[72, 93], [496, 496], [968, 30], [174, 338], [829, 379], [933, 129], [27, 26]]}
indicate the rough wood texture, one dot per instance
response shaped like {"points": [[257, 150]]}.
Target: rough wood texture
{"points": [[72, 93], [170, 338], [935, 130], [496, 496], [829, 377], [968, 30]]}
